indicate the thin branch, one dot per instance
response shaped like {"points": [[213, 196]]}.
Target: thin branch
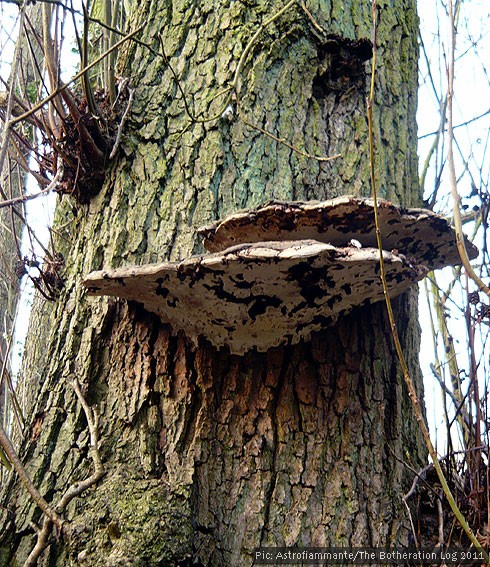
{"points": [[251, 43], [52, 66], [85, 79], [24, 198], [77, 488], [233, 87], [75, 78], [10, 101], [419, 476], [456, 126], [5, 374], [26, 481], [93, 427], [315, 24], [120, 128], [286, 143], [440, 516], [430, 153], [187, 108], [42, 543]]}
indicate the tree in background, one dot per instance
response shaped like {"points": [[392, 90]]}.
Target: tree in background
{"points": [[14, 156], [150, 448]]}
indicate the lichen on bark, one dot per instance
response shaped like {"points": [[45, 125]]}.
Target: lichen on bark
{"points": [[209, 455]]}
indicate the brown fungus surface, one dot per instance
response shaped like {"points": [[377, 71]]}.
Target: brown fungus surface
{"points": [[419, 234], [276, 274]]}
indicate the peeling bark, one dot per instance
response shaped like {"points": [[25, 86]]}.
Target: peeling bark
{"points": [[210, 454]]}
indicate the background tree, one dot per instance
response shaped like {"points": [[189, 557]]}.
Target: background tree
{"points": [[208, 455], [14, 158]]}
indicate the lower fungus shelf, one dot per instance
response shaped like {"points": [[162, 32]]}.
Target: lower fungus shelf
{"points": [[259, 295]]}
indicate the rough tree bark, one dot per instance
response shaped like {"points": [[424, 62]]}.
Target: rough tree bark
{"points": [[209, 455], [12, 185]]}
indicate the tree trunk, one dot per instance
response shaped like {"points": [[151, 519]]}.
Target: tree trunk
{"points": [[207, 454], [12, 185]]}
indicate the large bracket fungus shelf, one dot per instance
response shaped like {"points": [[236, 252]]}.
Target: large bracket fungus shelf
{"points": [[417, 233], [278, 273]]}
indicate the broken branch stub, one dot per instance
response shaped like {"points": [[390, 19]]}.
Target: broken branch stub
{"points": [[285, 270], [416, 233]]}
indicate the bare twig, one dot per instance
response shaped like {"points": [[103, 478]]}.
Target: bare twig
{"points": [[252, 41], [75, 78], [418, 476], [120, 128], [5, 374], [286, 143], [412, 525], [51, 61], [10, 102], [26, 481], [93, 426], [460, 125], [83, 49], [52, 186], [315, 24], [440, 523], [232, 89], [42, 543], [77, 488]]}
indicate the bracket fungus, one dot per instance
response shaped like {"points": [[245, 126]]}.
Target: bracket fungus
{"points": [[276, 274], [417, 233]]}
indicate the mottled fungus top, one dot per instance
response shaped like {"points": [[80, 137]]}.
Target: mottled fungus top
{"points": [[285, 270], [417, 233]]}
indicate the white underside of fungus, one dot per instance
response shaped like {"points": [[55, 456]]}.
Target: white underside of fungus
{"points": [[285, 270]]}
